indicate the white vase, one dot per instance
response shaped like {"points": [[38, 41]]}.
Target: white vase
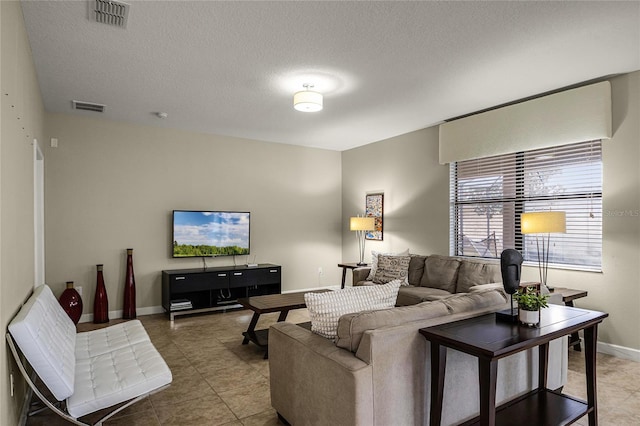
{"points": [[531, 318]]}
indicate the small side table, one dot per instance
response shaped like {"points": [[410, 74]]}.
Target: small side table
{"points": [[568, 296], [346, 266]]}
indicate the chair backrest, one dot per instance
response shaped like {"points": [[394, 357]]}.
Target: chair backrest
{"points": [[46, 336]]}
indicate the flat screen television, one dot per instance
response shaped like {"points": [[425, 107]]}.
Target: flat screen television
{"points": [[210, 233]]}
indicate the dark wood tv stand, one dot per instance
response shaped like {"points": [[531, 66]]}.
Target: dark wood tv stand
{"points": [[217, 288], [490, 340]]}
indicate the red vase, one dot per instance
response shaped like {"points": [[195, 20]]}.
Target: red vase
{"points": [[129, 311], [71, 302], [100, 303]]}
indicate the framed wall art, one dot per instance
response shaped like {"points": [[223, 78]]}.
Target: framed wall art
{"points": [[374, 207]]}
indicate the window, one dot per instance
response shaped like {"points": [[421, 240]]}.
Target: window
{"points": [[489, 194]]}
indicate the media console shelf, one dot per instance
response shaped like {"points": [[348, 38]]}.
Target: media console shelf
{"points": [[190, 291]]}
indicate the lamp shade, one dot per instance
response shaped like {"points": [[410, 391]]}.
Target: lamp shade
{"points": [[543, 222], [307, 101], [362, 224]]}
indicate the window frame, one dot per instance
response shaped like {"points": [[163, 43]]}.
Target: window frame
{"points": [[589, 153]]}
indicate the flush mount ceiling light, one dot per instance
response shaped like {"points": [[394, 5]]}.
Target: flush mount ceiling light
{"points": [[307, 100]]}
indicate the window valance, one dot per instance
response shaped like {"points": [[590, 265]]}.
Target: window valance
{"points": [[575, 115]]}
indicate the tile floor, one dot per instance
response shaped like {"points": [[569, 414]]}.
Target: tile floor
{"points": [[219, 381]]}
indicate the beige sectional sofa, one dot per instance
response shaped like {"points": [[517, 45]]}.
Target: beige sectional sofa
{"points": [[378, 370], [435, 277]]}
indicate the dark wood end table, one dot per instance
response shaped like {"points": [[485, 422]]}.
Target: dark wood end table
{"points": [[568, 296], [282, 303], [346, 266], [489, 340]]}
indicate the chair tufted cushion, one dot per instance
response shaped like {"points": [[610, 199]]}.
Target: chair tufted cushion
{"points": [[117, 376], [47, 336], [103, 340]]}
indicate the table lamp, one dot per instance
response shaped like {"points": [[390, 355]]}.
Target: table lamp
{"points": [[538, 223], [361, 225]]}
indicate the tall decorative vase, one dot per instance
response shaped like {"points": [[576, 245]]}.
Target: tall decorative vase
{"points": [[100, 303], [71, 302], [129, 311]]}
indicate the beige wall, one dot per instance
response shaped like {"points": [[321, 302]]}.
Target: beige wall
{"points": [[406, 169], [21, 122], [110, 186], [416, 193]]}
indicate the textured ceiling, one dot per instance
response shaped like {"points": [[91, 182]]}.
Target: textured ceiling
{"points": [[385, 68]]}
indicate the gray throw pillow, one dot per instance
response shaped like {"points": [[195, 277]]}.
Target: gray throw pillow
{"points": [[392, 268]]}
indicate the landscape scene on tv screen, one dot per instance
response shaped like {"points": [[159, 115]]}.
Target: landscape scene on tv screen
{"points": [[206, 233]]}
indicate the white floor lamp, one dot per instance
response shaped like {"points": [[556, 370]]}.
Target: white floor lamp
{"points": [[361, 225], [543, 223]]}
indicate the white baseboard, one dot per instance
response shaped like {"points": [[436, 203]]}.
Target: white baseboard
{"points": [[619, 351], [118, 314]]}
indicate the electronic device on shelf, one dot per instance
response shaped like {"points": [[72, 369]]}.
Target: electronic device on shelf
{"points": [[200, 233]]}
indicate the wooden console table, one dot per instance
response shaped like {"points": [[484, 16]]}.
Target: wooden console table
{"points": [[490, 340]]}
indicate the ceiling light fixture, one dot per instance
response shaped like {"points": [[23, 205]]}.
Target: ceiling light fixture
{"points": [[307, 100]]}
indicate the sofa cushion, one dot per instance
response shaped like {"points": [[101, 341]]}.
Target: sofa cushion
{"points": [[352, 326], [374, 261], [416, 268], [392, 268], [475, 272], [410, 295], [440, 272], [464, 302], [326, 308]]}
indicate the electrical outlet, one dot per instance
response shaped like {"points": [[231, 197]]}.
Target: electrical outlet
{"points": [[11, 380], [320, 271]]}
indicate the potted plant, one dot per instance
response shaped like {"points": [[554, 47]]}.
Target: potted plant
{"points": [[530, 301]]}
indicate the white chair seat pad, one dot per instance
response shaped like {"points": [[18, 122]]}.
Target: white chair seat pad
{"points": [[117, 376], [101, 341]]}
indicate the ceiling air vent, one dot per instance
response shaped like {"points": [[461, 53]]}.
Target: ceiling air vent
{"points": [[111, 12], [87, 106]]}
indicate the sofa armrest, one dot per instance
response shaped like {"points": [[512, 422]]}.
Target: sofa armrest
{"points": [[360, 274], [313, 381]]}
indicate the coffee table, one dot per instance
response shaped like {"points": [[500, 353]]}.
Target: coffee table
{"points": [[282, 303]]}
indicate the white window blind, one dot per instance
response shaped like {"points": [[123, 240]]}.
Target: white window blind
{"points": [[488, 195]]}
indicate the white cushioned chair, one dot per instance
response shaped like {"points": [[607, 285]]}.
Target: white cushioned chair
{"points": [[110, 367]]}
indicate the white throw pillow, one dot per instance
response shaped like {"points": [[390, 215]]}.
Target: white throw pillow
{"points": [[374, 261], [325, 309]]}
